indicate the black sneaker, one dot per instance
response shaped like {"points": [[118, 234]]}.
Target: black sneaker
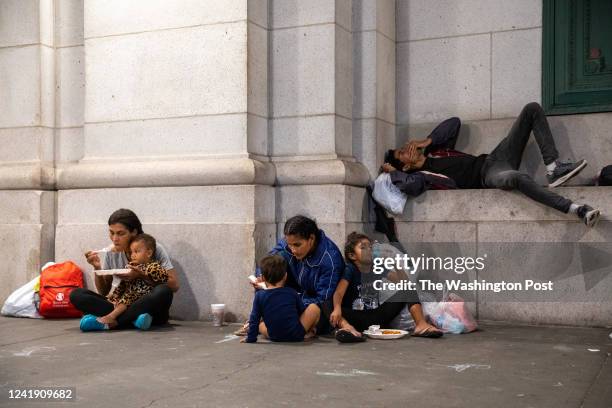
{"points": [[565, 171], [589, 215]]}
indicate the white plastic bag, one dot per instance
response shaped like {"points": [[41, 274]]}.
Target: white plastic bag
{"points": [[22, 302], [388, 195]]}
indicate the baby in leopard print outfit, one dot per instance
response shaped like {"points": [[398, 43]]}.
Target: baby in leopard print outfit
{"points": [[142, 249]]}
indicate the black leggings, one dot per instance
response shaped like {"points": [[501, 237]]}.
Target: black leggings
{"points": [[156, 303], [362, 319]]}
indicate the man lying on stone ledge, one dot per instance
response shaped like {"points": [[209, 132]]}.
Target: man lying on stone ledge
{"points": [[421, 164]]}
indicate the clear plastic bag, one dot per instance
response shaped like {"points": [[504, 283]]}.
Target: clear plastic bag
{"points": [[450, 315], [388, 195]]}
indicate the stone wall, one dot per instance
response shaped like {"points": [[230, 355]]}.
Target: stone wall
{"points": [[27, 123], [476, 59], [503, 225], [217, 120], [482, 61], [165, 107], [311, 103], [374, 105], [176, 116]]}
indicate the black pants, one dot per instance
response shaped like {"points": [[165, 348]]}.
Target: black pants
{"points": [[362, 319], [156, 303], [500, 169]]}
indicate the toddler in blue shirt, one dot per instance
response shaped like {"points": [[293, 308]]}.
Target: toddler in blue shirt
{"points": [[285, 317]]}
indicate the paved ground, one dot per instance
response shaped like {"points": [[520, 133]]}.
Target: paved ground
{"points": [[192, 364]]}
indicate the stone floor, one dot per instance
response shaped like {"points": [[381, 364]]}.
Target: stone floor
{"points": [[192, 364]]}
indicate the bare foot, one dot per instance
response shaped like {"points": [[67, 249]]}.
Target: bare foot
{"points": [[353, 331], [107, 320], [312, 333], [243, 331], [349, 328]]}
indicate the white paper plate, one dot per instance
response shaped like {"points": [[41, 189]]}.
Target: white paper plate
{"points": [[380, 336], [118, 272]]}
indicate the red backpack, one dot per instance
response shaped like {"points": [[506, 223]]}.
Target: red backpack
{"points": [[56, 283]]}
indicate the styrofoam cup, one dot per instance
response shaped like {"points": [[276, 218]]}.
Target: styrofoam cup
{"points": [[218, 313]]}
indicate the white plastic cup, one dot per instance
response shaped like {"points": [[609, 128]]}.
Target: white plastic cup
{"points": [[218, 313]]}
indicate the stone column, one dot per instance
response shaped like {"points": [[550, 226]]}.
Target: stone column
{"points": [[27, 122], [176, 95], [70, 82], [175, 128], [374, 123], [215, 121], [27, 89], [311, 114]]}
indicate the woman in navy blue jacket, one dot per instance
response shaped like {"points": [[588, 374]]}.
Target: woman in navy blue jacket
{"points": [[314, 262]]}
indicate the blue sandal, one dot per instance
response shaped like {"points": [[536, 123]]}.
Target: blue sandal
{"points": [[143, 321], [90, 323]]}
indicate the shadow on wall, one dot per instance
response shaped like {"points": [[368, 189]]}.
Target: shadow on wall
{"points": [[185, 305]]}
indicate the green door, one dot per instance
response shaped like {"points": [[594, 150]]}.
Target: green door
{"points": [[577, 56]]}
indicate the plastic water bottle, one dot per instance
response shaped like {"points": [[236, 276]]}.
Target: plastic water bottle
{"points": [[358, 304], [374, 303]]}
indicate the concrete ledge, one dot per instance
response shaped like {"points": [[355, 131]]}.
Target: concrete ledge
{"points": [[497, 205], [203, 172], [27, 176], [96, 173], [497, 222], [177, 172], [316, 172]]}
